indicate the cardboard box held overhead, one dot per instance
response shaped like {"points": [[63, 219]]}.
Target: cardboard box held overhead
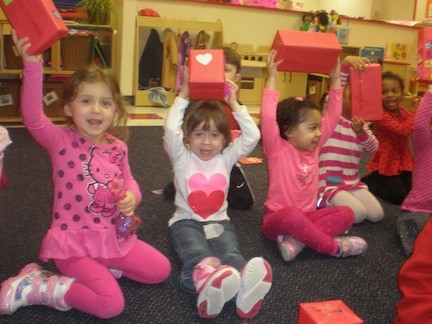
{"points": [[306, 51]]}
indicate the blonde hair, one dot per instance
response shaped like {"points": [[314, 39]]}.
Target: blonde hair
{"points": [[93, 74]]}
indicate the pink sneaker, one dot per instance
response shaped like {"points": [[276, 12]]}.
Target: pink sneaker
{"points": [[256, 281], [289, 247], [350, 246], [34, 286], [220, 287]]}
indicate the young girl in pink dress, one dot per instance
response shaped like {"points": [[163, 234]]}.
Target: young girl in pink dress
{"points": [[82, 240], [293, 133]]}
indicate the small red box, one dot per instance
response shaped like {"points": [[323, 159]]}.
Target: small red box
{"points": [[366, 92], [306, 51], [39, 20], [327, 312], [207, 74]]}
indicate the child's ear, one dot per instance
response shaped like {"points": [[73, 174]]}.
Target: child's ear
{"points": [[67, 110], [237, 78]]}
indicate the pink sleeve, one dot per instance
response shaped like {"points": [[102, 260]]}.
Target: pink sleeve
{"points": [[422, 123], [39, 125], [269, 128]]}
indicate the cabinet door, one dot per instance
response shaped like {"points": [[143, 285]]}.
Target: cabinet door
{"points": [[291, 84]]}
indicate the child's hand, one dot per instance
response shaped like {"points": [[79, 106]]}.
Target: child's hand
{"points": [[357, 62], [231, 98], [22, 46], [272, 69], [127, 204], [184, 91], [357, 125]]}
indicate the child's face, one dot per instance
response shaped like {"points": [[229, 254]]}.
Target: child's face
{"points": [[306, 135], [231, 73], [391, 94], [92, 111], [206, 144]]}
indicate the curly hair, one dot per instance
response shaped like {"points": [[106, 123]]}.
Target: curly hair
{"points": [[291, 112], [388, 75]]}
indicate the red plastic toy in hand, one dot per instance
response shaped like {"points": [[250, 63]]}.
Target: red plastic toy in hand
{"points": [[126, 226]]}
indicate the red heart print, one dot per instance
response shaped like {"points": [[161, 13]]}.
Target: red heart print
{"points": [[205, 205]]}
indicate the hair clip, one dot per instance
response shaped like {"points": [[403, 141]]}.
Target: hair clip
{"points": [[299, 98]]}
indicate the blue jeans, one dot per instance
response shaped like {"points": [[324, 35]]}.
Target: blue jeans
{"points": [[192, 246]]}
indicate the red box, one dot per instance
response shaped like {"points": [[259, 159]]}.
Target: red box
{"points": [[39, 20], [207, 74], [327, 312], [306, 52], [366, 92]]}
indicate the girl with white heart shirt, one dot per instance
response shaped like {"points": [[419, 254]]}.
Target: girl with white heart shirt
{"points": [[202, 155]]}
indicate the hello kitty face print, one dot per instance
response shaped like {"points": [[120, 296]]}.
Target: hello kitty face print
{"points": [[103, 200]]}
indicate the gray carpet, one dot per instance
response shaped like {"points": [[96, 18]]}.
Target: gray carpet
{"points": [[367, 283]]}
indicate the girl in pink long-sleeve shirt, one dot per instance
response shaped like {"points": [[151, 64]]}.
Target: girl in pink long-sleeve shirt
{"points": [[83, 241], [293, 133]]}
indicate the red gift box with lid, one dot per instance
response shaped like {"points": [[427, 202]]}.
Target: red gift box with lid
{"points": [[39, 20], [206, 74], [327, 312], [306, 51], [366, 92]]}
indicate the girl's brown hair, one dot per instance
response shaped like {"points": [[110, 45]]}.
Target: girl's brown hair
{"points": [[93, 74], [207, 111]]}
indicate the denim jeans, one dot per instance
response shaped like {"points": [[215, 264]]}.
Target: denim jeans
{"points": [[192, 246]]}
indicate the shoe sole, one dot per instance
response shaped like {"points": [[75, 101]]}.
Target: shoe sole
{"points": [[257, 278], [7, 287], [220, 288]]}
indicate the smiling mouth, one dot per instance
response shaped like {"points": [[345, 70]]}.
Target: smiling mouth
{"points": [[94, 122]]}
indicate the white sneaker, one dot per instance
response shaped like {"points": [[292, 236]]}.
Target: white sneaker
{"points": [[256, 281], [220, 287]]}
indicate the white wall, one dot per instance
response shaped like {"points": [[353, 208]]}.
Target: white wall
{"points": [[351, 8]]}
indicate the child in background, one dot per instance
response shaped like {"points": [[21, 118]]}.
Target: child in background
{"points": [[82, 240], [240, 194], [4, 142], [339, 183], [292, 139], [417, 206], [392, 164], [202, 155], [307, 19]]}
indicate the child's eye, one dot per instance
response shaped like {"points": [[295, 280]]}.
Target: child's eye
{"points": [[107, 103], [85, 100], [215, 135]]}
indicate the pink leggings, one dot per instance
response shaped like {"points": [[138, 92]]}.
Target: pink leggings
{"points": [[97, 292], [315, 229]]}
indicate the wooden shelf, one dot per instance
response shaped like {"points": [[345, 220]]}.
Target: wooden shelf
{"points": [[141, 96], [7, 75]]}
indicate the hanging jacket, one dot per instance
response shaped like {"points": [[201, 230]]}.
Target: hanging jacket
{"points": [[170, 60], [150, 65]]}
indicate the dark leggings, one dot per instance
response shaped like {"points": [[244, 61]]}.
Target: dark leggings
{"points": [[393, 189]]}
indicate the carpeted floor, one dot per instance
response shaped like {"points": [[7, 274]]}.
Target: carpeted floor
{"points": [[367, 283]]}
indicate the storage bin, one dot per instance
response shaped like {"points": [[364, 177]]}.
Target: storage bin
{"points": [[10, 97], [52, 94], [12, 58], [76, 51]]}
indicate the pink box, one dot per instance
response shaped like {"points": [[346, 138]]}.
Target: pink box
{"points": [[306, 51], [39, 20], [207, 74], [327, 312], [366, 92]]}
